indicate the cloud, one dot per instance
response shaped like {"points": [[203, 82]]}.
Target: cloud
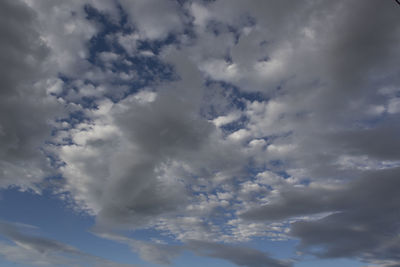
{"points": [[26, 110], [257, 119], [163, 161], [241, 256], [151, 142], [155, 19], [164, 254], [34, 250], [156, 150], [339, 159], [360, 217]]}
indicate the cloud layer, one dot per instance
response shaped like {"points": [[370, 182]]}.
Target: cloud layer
{"points": [[33, 250], [211, 123]]}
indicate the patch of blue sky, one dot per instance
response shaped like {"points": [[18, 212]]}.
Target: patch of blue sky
{"points": [[237, 98], [155, 46], [148, 69], [276, 163], [220, 217], [252, 169], [55, 220], [329, 263], [74, 118], [372, 122], [249, 96], [235, 125], [4, 240], [218, 27], [64, 90], [275, 166], [305, 181], [190, 259], [99, 43], [281, 249], [69, 86], [152, 234], [5, 263], [283, 174]]}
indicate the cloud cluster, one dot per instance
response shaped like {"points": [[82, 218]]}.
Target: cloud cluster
{"points": [[209, 122]]}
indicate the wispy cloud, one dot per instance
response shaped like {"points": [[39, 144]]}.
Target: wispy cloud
{"points": [[32, 249]]}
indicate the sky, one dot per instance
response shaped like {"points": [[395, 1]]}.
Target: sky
{"points": [[257, 133]]}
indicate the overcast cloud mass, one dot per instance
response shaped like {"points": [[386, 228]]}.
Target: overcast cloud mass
{"points": [[204, 127]]}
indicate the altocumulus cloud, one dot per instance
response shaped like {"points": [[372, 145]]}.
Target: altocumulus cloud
{"points": [[210, 123]]}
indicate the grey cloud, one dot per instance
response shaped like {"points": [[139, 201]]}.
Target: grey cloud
{"points": [[25, 107], [152, 150], [367, 227], [34, 250], [380, 142], [330, 59], [349, 49], [238, 255], [294, 203], [166, 125], [241, 256], [157, 253], [155, 19], [337, 73], [165, 254], [162, 130], [39, 244], [363, 223], [66, 31], [131, 185], [332, 67], [165, 130], [356, 55]]}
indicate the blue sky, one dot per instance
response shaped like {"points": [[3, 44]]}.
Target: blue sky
{"points": [[193, 132]]}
